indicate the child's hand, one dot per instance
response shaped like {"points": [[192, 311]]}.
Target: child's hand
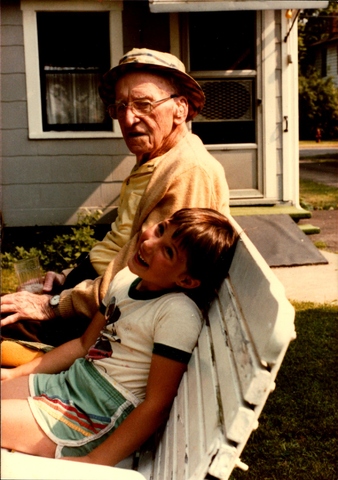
{"points": [[6, 374]]}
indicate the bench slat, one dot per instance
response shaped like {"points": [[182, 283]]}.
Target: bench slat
{"points": [[237, 416], [253, 377], [262, 300], [208, 382]]}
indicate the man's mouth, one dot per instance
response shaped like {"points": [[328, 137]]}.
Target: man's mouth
{"points": [[135, 134]]}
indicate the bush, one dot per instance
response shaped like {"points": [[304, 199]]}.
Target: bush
{"points": [[63, 250], [318, 107]]}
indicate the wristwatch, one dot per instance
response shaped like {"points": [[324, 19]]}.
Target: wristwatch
{"points": [[54, 304]]}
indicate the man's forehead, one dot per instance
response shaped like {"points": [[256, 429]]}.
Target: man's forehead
{"points": [[143, 81]]}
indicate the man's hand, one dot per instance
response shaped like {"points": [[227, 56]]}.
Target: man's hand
{"points": [[52, 280], [25, 306]]}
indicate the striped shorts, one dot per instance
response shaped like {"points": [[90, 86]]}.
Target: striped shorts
{"points": [[78, 408]]}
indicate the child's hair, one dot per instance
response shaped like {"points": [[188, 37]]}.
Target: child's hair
{"points": [[209, 240]]}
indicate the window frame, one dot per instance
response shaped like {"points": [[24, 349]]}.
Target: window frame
{"points": [[253, 74], [33, 85]]}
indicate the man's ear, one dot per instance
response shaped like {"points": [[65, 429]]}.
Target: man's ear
{"points": [[188, 282], [181, 111]]}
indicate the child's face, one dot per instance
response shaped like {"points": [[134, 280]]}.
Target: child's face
{"points": [[158, 260]]}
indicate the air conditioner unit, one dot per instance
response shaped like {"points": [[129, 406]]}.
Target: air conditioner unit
{"points": [[226, 100]]}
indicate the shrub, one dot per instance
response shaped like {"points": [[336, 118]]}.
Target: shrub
{"points": [[63, 250], [318, 107]]}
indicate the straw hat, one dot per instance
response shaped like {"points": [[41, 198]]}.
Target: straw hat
{"points": [[143, 59]]}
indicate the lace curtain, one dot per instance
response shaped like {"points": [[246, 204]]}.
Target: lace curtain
{"points": [[72, 97]]}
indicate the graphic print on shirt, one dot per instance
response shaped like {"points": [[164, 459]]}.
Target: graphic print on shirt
{"points": [[102, 347]]}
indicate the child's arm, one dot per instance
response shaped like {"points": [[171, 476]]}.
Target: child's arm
{"points": [[164, 378], [62, 357]]}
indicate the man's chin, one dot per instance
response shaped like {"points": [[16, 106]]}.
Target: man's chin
{"points": [[138, 146]]}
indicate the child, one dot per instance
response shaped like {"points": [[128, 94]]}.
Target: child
{"points": [[118, 381]]}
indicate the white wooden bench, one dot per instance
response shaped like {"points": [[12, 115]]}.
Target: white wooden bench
{"points": [[229, 378]]}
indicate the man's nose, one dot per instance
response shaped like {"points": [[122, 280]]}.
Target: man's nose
{"points": [[129, 116]]}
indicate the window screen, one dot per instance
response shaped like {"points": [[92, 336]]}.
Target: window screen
{"points": [[222, 49]]}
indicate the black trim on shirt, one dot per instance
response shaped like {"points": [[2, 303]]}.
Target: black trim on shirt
{"points": [[144, 294], [138, 294], [171, 353]]}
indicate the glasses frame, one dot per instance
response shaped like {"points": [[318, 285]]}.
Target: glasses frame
{"points": [[115, 106]]}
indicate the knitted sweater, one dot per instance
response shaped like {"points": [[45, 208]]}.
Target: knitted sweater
{"points": [[187, 176]]}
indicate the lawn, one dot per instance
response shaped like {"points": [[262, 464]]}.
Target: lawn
{"points": [[297, 436], [317, 196]]}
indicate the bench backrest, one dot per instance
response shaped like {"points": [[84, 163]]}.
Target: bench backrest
{"points": [[230, 375]]}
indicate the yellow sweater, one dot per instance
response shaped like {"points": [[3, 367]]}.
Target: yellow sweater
{"points": [[186, 176], [132, 190]]}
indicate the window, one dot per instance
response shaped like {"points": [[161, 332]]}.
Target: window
{"points": [[222, 58], [73, 54], [68, 46]]}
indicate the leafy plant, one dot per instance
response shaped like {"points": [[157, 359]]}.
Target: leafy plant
{"points": [[318, 97], [318, 106], [63, 250]]}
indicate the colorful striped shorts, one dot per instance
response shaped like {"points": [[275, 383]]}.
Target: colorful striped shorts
{"points": [[78, 408]]}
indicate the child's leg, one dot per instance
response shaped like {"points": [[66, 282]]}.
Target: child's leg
{"points": [[19, 430]]}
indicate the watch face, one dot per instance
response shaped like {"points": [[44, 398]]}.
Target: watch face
{"points": [[54, 301]]}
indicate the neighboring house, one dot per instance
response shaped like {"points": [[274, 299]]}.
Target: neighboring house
{"points": [[60, 151], [326, 52]]}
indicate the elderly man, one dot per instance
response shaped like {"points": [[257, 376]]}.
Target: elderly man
{"points": [[152, 97]]}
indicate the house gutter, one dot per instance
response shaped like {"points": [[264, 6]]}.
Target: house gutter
{"points": [[161, 6]]}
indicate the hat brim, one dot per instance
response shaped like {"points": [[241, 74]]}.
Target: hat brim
{"points": [[189, 88]]}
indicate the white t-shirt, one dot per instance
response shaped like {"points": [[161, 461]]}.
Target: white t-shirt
{"points": [[167, 324]]}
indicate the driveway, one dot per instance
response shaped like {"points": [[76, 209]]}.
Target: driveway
{"points": [[321, 171]]}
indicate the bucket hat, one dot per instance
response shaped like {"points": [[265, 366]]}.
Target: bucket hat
{"points": [[143, 59]]}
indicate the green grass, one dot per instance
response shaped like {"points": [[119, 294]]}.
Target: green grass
{"points": [[317, 196], [297, 436]]}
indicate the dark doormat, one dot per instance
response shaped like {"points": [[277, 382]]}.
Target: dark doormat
{"points": [[280, 241]]}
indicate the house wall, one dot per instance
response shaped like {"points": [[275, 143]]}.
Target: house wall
{"points": [[48, 181], [45, 182], [330, 50], [332, 61]]}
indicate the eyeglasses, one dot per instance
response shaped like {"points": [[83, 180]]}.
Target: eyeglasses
{"points": [[141, 108]]}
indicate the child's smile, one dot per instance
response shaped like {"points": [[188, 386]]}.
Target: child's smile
{"points": [[158, 260]]}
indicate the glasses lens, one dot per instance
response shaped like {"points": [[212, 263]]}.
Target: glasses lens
{"points": [[141, 107], [138, 107]]}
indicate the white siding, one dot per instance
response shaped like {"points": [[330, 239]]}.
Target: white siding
{"points": [[332, 62], [46, 182]]}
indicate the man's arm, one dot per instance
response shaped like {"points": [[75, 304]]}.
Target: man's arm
{"points": [[83, 300], [164, 378]]}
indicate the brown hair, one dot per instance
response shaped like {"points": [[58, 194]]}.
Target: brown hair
{"points": [[209, 241]]}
